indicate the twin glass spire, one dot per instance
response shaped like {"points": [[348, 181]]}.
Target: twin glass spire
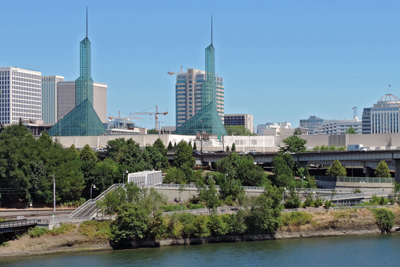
{"points": [[207, 119], [83, 119]]}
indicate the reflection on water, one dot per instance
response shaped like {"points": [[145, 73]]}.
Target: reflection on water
{"points": [[377, 250]]}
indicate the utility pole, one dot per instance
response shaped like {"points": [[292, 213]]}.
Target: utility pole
{"points": [[54, 194]]}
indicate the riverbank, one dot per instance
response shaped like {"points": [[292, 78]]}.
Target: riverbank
{"points": [[322, 224]]}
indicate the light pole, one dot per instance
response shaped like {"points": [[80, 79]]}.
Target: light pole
{"points": [[92, 186], [123, 176], [362, 184], [302, 181], [29, 204]]}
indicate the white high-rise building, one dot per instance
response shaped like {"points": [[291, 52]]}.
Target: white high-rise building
{"points": [[49, 98], [66, 99], [188, 95], [339, 126], [20, 95]]}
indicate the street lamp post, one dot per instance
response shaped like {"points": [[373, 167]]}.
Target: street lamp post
{"points": [[302, 181], [123, 176], [92, 186], [29, 204], [362, 184]]}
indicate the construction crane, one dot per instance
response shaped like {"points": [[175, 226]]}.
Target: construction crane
{"points": [[151, 113], [173, 73], [124, 118]]}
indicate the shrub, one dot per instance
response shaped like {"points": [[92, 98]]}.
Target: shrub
{"points": [[296, 218], [201, 226], [327, 203], [216, 225], [318, 201], [293, 201], [173, 207], [95, 229], [357, 191], [309, 202], [229, 201], [37, 232], [384, 219], [64, 228], [195, 206]]}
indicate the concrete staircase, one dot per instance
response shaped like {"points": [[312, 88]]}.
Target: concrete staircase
{"points": [[89, 209]]}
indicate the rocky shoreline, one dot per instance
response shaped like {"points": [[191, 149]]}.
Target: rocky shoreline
{"points": [[72, 243]]}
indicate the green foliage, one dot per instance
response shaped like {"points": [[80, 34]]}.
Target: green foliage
{"points": [[351, 130], [194, 146], [195, 206], [284, 166], [318, 201], [170, 147], [227, 148], [296, 218], [173, 207], [159, 145], [297, 131], [309, 202], [233, 148], [210, 195], [241, 168], [327, 203], [130, 224], [237, 130], [264, 215], [64, 228], [396, 190], [152, 131], [175, 175], [311, 182], [382, 170], [336, 169], [95, 229], [87, 154], [293, 144], [184, 155], [384, 219], [357, 191], [37, 232], [292, 201], [217, 226]]}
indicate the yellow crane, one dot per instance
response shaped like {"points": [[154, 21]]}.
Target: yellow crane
{"points": [[172, 73], [151, 113]]}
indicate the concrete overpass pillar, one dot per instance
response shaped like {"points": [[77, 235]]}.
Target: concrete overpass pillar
{"points": [[368, 171], [397, 170]]}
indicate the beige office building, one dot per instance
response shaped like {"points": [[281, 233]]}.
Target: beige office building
{"points": [[66, 99], [188, 95]]}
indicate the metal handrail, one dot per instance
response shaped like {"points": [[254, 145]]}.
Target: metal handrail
{"points": [[18, 223]]}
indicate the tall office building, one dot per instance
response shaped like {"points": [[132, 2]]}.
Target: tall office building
{"points": [[49, 98], [66, 99], [207, 119], [245, 120], [383, 117], [83, 119], [312, 124], [20, 95], [188, 90]]}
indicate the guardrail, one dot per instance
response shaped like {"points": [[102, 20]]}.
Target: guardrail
{"points": [[194, 186], [20, 223], [346, 179]]}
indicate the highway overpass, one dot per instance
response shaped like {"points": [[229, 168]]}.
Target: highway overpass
{"points": [[366, 159]]}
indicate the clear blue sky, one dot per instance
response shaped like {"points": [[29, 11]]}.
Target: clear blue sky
{"points": [[280, 60]]}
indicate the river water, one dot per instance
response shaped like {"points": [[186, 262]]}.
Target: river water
{"points": [[375, 250]]}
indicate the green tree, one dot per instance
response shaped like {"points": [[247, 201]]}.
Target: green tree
{"points": [[184, 155], [384, 219], [194, 146], [237, 130], [175, 175], [293, 144], [351, 131], [283, 166], [382, 170], [170, 147], [292, 201], [217, 226], [114, 146], [336, 170], [152, 131], [87, 154], [396, 190], [265, 211], [209, 195], [130, 224], [297, 131], [233, 149], [227, 148]]}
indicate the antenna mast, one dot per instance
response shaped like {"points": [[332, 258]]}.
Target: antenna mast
{"points": [[87, 28]]}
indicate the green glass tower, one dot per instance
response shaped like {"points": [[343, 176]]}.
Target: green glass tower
{"points": [[83, 119], [207, 119]]}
